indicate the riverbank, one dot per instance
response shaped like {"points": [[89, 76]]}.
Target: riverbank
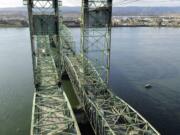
{"points": [[13, 22], [146, 21], [117, 21]]}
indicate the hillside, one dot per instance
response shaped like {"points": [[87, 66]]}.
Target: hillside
{"points": [[117, 11]]}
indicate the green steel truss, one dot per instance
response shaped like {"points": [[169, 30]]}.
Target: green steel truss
{"points": [[96, 35], [51, 112], [107, 113], [44, 19], [67, 41], [89, 74], [67, 44]]}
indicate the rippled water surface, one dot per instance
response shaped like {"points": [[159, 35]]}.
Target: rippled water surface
{"points": [[16, 85]]}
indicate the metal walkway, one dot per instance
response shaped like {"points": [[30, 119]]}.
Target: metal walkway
{"points": [[52, 113]]}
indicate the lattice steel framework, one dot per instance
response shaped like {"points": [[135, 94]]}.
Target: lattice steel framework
{"points": [[67, 44], [96, 35], [107, 113], [44, 19], [51, 113], [67, 40]]}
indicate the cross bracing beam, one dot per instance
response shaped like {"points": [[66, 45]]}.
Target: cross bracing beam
{"points": [[107, 113]]}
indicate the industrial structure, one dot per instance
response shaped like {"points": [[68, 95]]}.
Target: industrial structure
{"points": [[53, 54]]}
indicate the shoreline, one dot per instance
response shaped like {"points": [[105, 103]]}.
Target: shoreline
{"points": [[120, 26], [117, 21]]}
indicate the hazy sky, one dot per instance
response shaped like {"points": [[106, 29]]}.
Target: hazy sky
{"points": [[15, 3]]}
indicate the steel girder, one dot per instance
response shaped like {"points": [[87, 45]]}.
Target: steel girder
{"points": [[107, 113], [67, 44]]}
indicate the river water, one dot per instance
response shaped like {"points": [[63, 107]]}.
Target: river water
{"points": [[138, 56]]}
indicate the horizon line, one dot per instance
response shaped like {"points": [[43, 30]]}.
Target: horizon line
{"points": [[113, 6]]}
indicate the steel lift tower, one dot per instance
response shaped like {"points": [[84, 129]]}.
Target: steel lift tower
{"points": [[44, 19], [96, 35]]}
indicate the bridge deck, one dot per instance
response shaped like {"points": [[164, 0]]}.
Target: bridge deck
{"points": [[52, 113], [108, 114]]}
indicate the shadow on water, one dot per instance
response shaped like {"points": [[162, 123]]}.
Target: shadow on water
{"points": [[16, 81], [83, 123]]}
